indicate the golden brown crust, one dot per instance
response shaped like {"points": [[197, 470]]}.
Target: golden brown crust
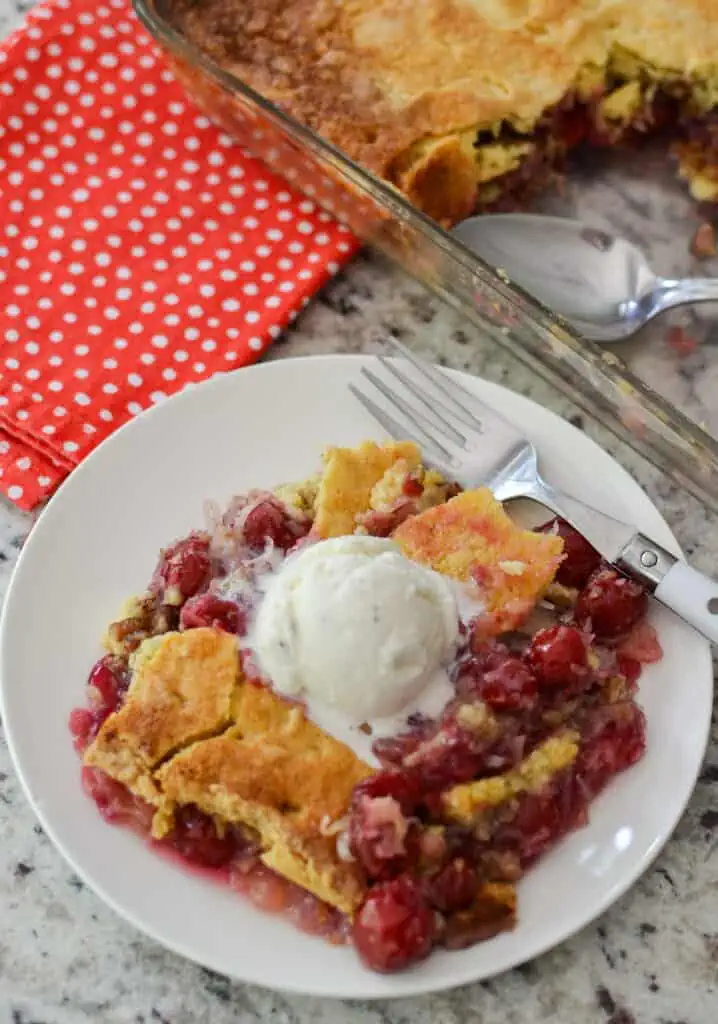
{"points": [[169, 704], [397, 84], [471, 537], [277, 772], [287, 790], [350, 475], [439, 176], [192, 731], [466, 802]]}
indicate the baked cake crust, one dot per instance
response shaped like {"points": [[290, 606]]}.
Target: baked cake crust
{"points": [[289, 796], [404, 87], [349, 478], [471, 538], [168, 705], [193, 730]]}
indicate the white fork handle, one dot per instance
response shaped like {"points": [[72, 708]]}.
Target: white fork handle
{"points": [[689, 593], [693, 596]]}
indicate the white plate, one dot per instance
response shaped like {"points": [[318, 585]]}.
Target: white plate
{"points": [[97, 542]]}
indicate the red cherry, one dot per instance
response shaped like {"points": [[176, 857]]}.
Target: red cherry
{"points": [[183, 567], [109, 678], [210, 610], [395, 926], [450, 757], [539, 824], [483, 654], [383, 523], [615, 740], [611, 603], [470, 669], [380, 835], [413, 487], [493, 674], [579, 560], [559, 657], [630, 668], [509, 686], [402, 786], [195, 837], [269, 520], [453, 887]]}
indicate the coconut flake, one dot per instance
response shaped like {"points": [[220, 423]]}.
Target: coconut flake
{"points": [[513, 568]]}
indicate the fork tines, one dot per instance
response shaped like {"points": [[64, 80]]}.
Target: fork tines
{"points": [[432, 421]]}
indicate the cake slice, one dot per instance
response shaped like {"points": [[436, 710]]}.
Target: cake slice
{"points": [[291, 783], [471, 539], [349, 478], [194, 731], [169, 704]]}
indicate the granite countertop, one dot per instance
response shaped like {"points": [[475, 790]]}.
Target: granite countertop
{"points": [[66, 958]]}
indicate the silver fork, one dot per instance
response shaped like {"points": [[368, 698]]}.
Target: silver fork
{"points": [[470, 442]]}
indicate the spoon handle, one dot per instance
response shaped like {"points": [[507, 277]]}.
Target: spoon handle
{"points": [[681, 293]]}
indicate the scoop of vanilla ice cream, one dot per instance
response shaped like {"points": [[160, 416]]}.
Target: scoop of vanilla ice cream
{"points": [[354, 625]]}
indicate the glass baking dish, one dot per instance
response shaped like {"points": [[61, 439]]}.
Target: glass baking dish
{"points": [[594, 378]]}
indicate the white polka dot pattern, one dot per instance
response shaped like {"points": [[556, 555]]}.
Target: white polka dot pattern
{"points": [[140, 250]]}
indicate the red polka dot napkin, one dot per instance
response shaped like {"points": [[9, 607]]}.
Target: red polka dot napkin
{"points": [[140, 249]]}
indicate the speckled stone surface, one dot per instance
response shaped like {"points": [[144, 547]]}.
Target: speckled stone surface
{"points": [[65, 958]]}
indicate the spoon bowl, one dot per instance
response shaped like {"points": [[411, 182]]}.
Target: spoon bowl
{"points": [[602, 284]]}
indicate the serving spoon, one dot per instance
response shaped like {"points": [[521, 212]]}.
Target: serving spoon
{"points": [[600, 283]]}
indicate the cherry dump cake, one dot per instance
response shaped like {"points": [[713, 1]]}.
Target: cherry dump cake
{"points": [[369, 701], [467, 105]]}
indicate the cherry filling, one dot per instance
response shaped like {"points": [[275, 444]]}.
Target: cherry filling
{"points": [[107, 685], [499, 678], [196, 838], [275, 895], [578, 119], [395, 926], [392, 751], [615, 738], [115, 802], [183, 570], [110, 679], [425, 875], [579, 558], [381, 833], [610, 604], [452, 756], [641, 646], [270, 521], [210, 610], [559, 657], [383, 523], [453, 886]]}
